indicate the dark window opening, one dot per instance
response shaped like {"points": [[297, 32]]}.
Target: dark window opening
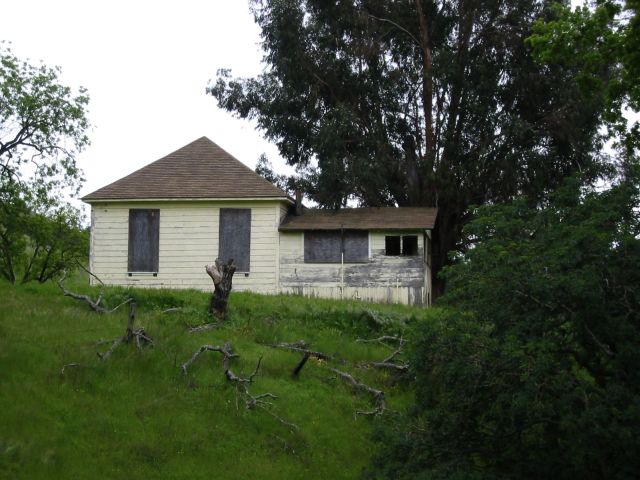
{"points": [[235, 237], [392, 245], [395, 245], [144, 235], [410, 245], [326, 246]]}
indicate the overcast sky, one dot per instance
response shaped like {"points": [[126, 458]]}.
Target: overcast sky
{"points": [[146, 65]]}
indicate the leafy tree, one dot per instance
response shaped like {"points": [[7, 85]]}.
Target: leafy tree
{"points": [[536, 373], [601, 43], [43, 126], [264, 168], [38, 244], [423, 103]]}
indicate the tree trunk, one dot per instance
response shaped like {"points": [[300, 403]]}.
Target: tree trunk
{"points": [[222, 276], [448, 230]]}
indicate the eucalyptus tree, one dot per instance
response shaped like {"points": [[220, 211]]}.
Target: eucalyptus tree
{"points": [[415, 103]]}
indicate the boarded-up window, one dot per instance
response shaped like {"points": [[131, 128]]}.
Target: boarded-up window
{"points": [[144, 234], [356, 246], [235, 237], [326, 246]]}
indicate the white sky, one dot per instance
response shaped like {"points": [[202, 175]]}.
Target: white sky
{"points": [[146, 65]]}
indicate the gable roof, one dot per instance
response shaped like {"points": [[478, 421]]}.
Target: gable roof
{"points": [[198, 170], [372, 218]]}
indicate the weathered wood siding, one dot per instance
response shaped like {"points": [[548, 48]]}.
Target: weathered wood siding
{"points": [[188, 241], [390, 279]]}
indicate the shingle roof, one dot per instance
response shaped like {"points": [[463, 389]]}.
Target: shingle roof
{"points": [[200, 169], [383, 218]]}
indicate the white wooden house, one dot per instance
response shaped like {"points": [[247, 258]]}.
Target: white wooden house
{"points": [[160, 225]]}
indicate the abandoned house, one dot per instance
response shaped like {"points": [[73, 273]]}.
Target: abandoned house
{"points": [[160, 225]]}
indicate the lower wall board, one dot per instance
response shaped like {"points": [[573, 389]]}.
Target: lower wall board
{"points": [[391, 294], [402, 295]]}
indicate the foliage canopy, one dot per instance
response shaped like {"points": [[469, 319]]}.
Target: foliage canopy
{"points": [[536, 373], [423, 103], [43, 126]]}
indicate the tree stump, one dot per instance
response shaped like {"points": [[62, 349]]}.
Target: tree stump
{"points": [[222, 276]]}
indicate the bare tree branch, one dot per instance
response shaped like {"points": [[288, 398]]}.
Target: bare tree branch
{"points": [[378, 395], [131, 333], [241, 384], [94, 304]]}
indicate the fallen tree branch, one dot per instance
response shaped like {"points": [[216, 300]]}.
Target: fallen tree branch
{"points": [[300, 364], [301, 347], [383, 339], [378, 395], [204, 328], [137, 334], [241, 383], [401, 367], [172, 310], [94, 304], [388, 363], [68, 365], [201, 350]]}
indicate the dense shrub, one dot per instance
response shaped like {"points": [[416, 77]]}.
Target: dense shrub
{"points": [[535, 372]]}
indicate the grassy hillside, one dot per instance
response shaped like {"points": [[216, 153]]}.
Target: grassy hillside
{"points": [[137, 416]]}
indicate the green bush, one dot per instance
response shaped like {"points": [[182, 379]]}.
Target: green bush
{"points": [[535, 370]]}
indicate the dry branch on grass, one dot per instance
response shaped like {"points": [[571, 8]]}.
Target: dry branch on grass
{"points": [[388, 363], [94, 304], [378, 395], [241, 383], [68, 365], [301, 347], [383, 339], [137, 334], [204, 328]]}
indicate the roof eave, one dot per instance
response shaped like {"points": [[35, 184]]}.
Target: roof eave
{"points": [[186, 199]]}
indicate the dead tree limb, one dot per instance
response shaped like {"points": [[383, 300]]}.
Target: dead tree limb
{"points": [[388, 363], [400, 367], [68, 365], [300, 364], [241, 384], [94, 304], [204, 328], [301, 347], [131, 333], [383, 339], [378, 395], [222, 276], [172, 310], [201, 350]]}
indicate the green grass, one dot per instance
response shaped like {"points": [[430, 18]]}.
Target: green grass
{"points": [[137, 415]]}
